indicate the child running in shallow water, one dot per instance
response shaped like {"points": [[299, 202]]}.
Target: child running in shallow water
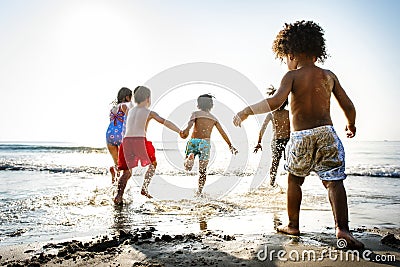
{"points": [[281, 130], [199, 144], [116, 128], [135, 147], [314, 144]]}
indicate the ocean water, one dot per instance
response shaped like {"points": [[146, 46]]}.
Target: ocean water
{"points": [[56, 191]]}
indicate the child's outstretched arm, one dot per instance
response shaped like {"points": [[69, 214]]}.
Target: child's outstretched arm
{"points": [[185, 132], [170, 125], [347, 106], [269, 104], [225, 137], [262, 131]]}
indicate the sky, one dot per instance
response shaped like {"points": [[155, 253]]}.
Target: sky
{"points": [[63, 62]]}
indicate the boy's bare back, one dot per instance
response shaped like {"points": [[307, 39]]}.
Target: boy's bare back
{"points": [[281, 123], [311, 89], [310, 97], [138, 120], [204, 124]]}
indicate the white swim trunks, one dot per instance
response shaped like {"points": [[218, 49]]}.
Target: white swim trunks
{"points": [[319, 150]]}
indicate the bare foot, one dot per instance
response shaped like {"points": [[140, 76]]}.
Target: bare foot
{"points": [[112, 171], [288, 230], [351, 242], [145, 193], [189, 162]]}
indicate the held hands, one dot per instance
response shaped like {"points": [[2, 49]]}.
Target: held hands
{"points": [[233, 150], [350, 130], [257, 147], [183, 134]]}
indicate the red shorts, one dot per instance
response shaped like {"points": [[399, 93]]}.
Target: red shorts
{"points": [[134, 149]]}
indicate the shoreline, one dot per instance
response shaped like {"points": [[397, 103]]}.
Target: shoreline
{"points": [[206, 231], [148, 247]]}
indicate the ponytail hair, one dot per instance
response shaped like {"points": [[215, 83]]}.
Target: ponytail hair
{"points": [[121, 96]]}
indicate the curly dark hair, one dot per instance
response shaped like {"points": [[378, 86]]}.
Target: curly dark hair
{"points": [[301, 37]]}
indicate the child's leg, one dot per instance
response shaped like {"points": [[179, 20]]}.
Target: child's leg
{"points": [[294, 196], [189, 162], [114, 154], [190, 151], [147, 179], [276, 157], [121, 186], [202, 175], [338, 199]]}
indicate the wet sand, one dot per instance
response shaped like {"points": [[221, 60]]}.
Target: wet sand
{"points": [[237, 230], [147, 247]]}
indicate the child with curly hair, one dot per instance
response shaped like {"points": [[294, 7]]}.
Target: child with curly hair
{"points": [[281, 130], [314, 144]]}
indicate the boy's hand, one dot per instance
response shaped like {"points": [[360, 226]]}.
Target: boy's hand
{"points": [[350, 130], [183, 134], [233, 150], [257, 147], [239, 117]]}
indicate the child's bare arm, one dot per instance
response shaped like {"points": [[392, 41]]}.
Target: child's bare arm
{"points": [[225, 137], [185, 132], [189, 126], [167, 123], [264, 126], [347, 106], [262, 131], [268, 104]]}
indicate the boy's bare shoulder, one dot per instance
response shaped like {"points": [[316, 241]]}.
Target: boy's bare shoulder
{"points": [[328, 73], [331, 74], [290, 76], [195, 115], [200, 114], [212, 117], [152, 113], [330, 77]]}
